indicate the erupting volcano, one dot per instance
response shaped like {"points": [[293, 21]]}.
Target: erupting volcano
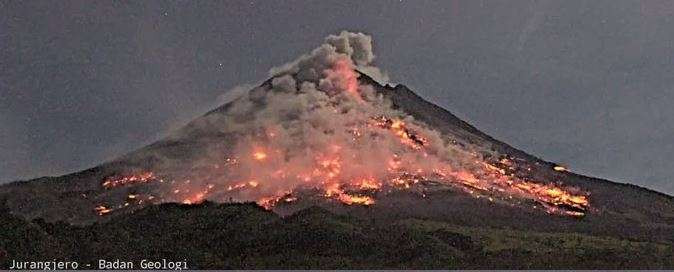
{"points": [[327, 165], [316, 127]]}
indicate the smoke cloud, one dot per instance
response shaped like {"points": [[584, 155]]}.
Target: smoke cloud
{"points": [[357, 47]]}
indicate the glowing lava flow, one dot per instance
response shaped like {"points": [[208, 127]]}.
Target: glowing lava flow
{"points": [[328, 134], [344, 77], [102, 210], [260, 156], [330, 174], [117, 180], [398, 127], [559, 168]]}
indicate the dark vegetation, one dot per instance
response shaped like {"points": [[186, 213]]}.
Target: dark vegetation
{"points": [[245, 236]]}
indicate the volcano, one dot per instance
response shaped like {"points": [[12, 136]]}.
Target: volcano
{"points": [[322, 145]]}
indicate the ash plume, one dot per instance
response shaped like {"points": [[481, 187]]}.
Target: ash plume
{"points": [[356, 47]]}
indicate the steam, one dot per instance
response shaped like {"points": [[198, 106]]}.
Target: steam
{"points": [[355, 47]]}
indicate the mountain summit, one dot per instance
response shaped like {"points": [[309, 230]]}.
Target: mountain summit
{"points": [[323, 131]]}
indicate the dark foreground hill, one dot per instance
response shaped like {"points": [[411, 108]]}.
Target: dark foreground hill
{"points": [[245, 236]]}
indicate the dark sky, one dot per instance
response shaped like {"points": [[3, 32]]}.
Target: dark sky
{"points": [[585, 83]]}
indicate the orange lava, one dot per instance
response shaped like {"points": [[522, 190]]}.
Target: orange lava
{"points": [[359, 155], [259, 155], [102, 210], [332, 174], [115, 181]]}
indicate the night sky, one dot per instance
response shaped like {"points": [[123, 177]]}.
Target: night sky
{"points": [[589, 84]]}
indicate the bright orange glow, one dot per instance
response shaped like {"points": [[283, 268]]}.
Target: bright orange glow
{"points": [[559, 168], [268, 202], [259, 155], [343, 75], [195, 199], [115, 181], [355, 199], [102, 210], [398, 127], [369, 183]]}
